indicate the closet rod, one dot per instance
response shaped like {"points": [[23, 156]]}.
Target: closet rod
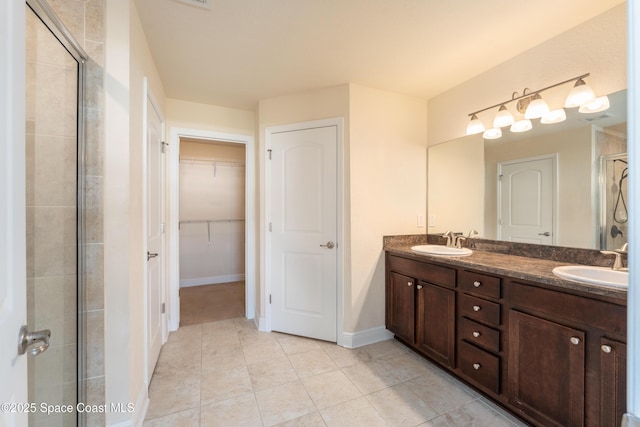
{"points": [[210, 220], [211, 161]]}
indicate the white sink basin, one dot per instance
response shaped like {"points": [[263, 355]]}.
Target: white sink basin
{"points": [[603, 276], [440, 250]]}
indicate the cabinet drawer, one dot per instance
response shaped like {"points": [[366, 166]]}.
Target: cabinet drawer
{"points": [[431, 273], [480, 284], [480, 309], [479, 334], [480, 366]]}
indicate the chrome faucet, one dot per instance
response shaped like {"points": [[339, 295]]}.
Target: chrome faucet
{"points": [[459, 240], [472, 232], [450, 237]]}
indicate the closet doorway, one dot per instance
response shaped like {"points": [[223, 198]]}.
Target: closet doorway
{"points": [[212, 182]]}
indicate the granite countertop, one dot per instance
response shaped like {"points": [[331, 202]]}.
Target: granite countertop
{"points": [[514, 266]]}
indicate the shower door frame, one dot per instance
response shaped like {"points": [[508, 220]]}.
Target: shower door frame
{"points": [[602, 202], [48, 17]]}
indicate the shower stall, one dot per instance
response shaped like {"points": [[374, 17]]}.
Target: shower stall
{"points": [[54, 217], [614, 214]]}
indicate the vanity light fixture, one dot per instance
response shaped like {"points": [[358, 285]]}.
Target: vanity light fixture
{"points": [[475, 125], [531, 104], [503, 118]]}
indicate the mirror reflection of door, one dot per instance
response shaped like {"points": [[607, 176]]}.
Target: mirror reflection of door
{"points": [[526, 195]]}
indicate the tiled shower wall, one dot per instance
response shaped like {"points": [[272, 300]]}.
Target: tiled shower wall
{"points": [[85, 20]]}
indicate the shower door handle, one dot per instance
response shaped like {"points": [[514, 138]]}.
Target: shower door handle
{"points": [[546, 233], [150, 255], [27, 338]]}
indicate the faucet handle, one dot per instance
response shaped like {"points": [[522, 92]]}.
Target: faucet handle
{"points": [[623, 249], [472, 232], [459, 240], [617, 263]]}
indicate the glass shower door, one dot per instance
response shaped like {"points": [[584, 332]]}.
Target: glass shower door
{"points": [[614, 214], [52, 87]]}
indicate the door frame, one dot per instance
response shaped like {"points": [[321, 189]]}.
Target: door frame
{"points": [[265, 320], [173, 177], [149, 96], [554, 196]]}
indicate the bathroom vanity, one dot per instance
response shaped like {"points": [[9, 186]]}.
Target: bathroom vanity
{"points": [[550, 350]]}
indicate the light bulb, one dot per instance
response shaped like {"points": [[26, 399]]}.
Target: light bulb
{"points": [[595, 106], [475, 125], [521, 126], [537, 108], [579, 95], [493, 133], [503, 118], [554, 116]]}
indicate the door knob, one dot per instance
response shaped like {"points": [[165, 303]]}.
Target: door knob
{"points": [[27, 338], [328, 245]]}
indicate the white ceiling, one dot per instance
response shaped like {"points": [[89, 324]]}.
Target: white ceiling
{"points": [[242, 51]]}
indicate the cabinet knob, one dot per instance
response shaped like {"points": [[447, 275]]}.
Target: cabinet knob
{"points": [[477, 284], [419, 287], [477, 366], [476, 334], [575, 340], [476, 308], [606, 348], [409, 283]]}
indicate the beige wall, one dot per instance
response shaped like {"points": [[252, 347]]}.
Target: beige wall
{"points": [[387, 187], [598, 47], [211, 151], [191, 115]]}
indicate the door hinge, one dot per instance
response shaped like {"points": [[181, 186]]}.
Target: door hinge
{"points": [[500, 177], [164, 307], [270, 227], [162, 146], [269, 298], [162, 228], [499, 221], [269, 151]]}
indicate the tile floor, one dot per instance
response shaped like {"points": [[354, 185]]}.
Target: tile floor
{"points": [[227, 373]]}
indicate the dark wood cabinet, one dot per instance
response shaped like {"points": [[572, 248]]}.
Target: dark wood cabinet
{"points": [[546, 370], [401, 306], [551, 356], [435, 322], [613, 382]]}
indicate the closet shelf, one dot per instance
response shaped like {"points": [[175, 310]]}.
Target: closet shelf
{"points": [[196, 221]]}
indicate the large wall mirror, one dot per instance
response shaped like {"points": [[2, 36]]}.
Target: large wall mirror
{"points": [[560, 184]]}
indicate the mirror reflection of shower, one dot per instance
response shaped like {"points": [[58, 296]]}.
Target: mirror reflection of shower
{"points": [[614, 213]]}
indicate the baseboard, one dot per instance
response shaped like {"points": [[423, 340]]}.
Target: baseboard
{"points": [[261, 323], [142, 404], [212, 280], [366, 337]]}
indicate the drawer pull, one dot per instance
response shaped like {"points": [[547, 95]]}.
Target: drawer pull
{"points": [[575, 340], [476, 308], [477, 284], [476, 334], [477, 366], [606, 348], [419, 287], [409, 283]]}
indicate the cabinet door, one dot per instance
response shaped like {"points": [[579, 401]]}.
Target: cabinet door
{"points": [[546, 370], [435, 334], [401, 306], [613, 382]]}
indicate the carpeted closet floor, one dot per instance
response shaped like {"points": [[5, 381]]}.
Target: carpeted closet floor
{"points": [[210, 303]]}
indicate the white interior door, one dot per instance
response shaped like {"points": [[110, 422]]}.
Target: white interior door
{"points": [[303, 220], [155, 208], [13, 290], [526, 197]]}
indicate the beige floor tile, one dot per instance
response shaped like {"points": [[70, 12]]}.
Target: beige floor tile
{"points": [[380, 349], [441, 393], [220, 327], [223, 385], [188, 418], [312, 362], [243, 324], [357, 412], [476, 414], [370, 377], [405, 366], [222, 362], [330, 388], [220, 344], [262, 351], [399, 406], [173, 394], [237, 412], [311, 420], [284, 403], [341, 356], [510, 418], [271, 373], [440, 421], [292, 344]]}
